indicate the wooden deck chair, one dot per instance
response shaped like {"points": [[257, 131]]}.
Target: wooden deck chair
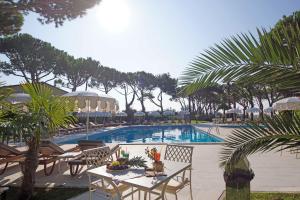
{"points": [[98, 157], [179, 153], [8, 155], [49, 152]]}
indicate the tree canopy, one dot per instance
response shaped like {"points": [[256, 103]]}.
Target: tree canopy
{"points": [[105, 79], [30, 58], [76, 72], [51, 11]]}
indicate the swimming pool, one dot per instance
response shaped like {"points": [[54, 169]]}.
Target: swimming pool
{"points": [[152, 134]]}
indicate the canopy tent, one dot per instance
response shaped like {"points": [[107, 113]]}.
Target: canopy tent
{"points": [[289, 103], [253, 110]]}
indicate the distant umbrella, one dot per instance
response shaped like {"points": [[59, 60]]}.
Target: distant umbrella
{"points": [[154, 114], [121, 114], [18, 98], [269, 110], [184, 112], [168, 113], [289, 103], [100, 114], [85, 99], [139, 114], [234, 110], [253, 110]]}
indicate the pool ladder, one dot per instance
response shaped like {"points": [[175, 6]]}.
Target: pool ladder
{"points": [[216, 126]]}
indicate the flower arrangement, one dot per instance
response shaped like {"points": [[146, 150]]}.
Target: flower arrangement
{"points": [[153, 154]]}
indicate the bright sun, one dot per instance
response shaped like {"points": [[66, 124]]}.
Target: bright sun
{"points": [[114, 15]]}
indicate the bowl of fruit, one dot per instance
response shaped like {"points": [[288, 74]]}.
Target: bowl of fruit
{"points": [[124, 163]]}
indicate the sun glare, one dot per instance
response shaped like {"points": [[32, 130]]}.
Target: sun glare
{"points": [[114, 15]]}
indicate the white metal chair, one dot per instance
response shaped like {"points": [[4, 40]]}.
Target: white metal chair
{"points": [[179, 153], [108, 189]]}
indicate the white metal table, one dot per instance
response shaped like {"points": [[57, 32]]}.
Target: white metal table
{"points": [[136, 178]]}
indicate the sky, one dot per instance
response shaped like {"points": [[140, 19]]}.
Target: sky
{"points": [[153, 35]]}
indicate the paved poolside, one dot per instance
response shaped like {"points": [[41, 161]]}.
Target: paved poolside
{"points": [[273, 172]]}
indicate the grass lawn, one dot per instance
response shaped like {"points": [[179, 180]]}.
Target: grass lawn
{"points": [[48, 193], [198, 121], [274, 196]]}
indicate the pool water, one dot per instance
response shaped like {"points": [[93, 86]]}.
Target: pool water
{"points": [[152, 134]]}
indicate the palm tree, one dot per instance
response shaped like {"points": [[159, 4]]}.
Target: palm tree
{"points": [[272, 59], [45, 114]]}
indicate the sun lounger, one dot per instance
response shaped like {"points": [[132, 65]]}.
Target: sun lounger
{"points": [[49, 153], [95, 126], [8, 155]]}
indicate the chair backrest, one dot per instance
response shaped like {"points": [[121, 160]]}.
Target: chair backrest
{"points": [[179, 153], [48, 148], [97, 156], [89, 144], [6, 150]]}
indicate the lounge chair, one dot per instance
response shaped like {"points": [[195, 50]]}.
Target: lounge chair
{"points": [[77, 164], [8, 155], [95, 126], [49, 153]]}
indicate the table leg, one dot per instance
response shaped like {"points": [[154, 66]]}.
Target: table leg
{"points": [[145, 195]]}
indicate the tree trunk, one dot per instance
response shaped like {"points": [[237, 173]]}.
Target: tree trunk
{"points": [[142, 102], [74, 88], [30, 166]]}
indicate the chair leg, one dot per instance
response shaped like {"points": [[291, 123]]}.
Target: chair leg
{"points": [[51, 169], [176, 197], [191, 191], [90, 188], [4, 169]]}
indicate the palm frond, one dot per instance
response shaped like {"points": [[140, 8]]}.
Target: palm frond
{"points": [[282, 130], [273, 57], [55, 110]]}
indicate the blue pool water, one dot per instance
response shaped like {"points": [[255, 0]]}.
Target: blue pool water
{"points": [[152, 134]]}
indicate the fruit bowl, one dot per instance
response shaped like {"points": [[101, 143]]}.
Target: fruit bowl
{"points": [[116, 166]]}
